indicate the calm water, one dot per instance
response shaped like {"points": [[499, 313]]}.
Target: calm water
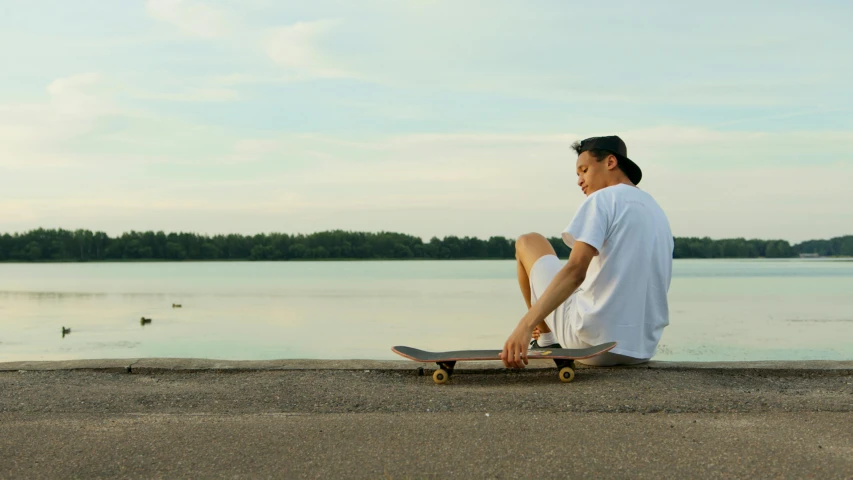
{"points": [[719, 310]]}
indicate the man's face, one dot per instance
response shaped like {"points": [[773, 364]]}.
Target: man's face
{"points": [[592, 174]]}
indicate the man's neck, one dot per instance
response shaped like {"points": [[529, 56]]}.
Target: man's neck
{"points": [[620, 181]]}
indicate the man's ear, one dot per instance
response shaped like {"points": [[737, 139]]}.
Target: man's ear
{"points": [[612, 162]]}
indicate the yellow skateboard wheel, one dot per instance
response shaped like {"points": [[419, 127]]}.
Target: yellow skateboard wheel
{"points": [[440, 376], [567, 374]]}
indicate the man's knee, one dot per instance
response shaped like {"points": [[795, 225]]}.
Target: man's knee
{"points": [[530, 247], [529, 241]]}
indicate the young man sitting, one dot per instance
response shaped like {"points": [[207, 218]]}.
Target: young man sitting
{"points": [[614, 286]]}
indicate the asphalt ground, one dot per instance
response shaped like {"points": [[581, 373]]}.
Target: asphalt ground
{"points": [[315, 419]]}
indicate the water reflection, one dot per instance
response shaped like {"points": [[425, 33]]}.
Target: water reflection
{"points": [[821, 320], [93, 346], [75, 295], [720, 310], [305, 292]]}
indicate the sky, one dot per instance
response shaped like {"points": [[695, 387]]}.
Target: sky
{"points": [[431, 118]]}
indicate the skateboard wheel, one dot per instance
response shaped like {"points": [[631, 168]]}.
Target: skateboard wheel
{"points": [[567, 374], [440, 376]]}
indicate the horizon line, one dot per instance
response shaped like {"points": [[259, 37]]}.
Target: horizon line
{"points": [[424, 239]]}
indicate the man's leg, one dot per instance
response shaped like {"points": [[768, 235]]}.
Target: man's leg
{"points": [[524, 283], [529, 248]]}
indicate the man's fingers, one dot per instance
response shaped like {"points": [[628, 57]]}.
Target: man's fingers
{"points": [[514, 356], [518, 357]]}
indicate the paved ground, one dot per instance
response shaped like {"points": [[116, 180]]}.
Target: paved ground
{"points": [[788, 420]]}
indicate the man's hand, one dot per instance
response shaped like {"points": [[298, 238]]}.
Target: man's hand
{"points": [[514, 354], [567, 280]]}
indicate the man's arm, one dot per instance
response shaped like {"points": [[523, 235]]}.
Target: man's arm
{"points": [[567, 280]]}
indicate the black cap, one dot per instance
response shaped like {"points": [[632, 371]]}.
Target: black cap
{"points": [[615, 145]]}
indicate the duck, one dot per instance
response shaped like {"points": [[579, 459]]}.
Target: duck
{"points": [[144, 320]]}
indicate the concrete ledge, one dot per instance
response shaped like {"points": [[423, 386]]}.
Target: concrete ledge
{"points": [[150, 365], [146, 365], [820, 365], [204, 364], [117, 365]]}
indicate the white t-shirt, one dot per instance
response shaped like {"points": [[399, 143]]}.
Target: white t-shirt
{"points": [[623, 298]]}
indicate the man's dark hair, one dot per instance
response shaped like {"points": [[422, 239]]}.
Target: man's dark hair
{"points": [[598, 154]]}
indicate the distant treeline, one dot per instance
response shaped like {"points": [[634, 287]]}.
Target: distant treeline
{"points": [[84, 245]]}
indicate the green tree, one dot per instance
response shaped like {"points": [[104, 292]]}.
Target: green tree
{"points": [[298, 250], [845, 246], [33, 252], [209, 251], [175, 251]]}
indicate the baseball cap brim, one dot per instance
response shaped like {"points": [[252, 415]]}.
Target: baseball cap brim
{"points": [[632, 171]]}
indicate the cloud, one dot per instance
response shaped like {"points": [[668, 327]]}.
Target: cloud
{"points": [[86, 121], [75, 107], [436, 184], [194, 18], [699, 148], [200, 94], [397, 111], [73, 84], [807, 113], [531, 180], [254, 149], [79, 96], [297, 47], [532, 176]]}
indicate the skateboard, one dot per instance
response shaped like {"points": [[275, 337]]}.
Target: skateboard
{"points": [[563, 357]]}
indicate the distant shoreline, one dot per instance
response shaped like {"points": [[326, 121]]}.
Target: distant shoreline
{"points": [[347, 260], [61, 246]]}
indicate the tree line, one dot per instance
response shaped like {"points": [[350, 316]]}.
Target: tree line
{"points": [[58, 245]]}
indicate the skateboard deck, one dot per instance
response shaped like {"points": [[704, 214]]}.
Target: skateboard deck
{"points": [[446, 361]]}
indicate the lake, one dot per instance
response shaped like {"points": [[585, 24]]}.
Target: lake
{"points": [[719, 309]]}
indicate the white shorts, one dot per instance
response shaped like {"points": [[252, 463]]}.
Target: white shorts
{"points": [[560, 320]]}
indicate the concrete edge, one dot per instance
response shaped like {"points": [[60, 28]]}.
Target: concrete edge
{"points": [[112, 365], [153, 365]]}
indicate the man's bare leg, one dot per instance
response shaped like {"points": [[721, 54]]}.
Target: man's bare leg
{"points": [[524, 283], [528, 249]]}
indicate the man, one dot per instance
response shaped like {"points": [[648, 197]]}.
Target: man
{"points": [[613, 287]]}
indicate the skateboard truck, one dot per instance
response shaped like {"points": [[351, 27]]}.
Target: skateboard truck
{"points": [[444, 371]]}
